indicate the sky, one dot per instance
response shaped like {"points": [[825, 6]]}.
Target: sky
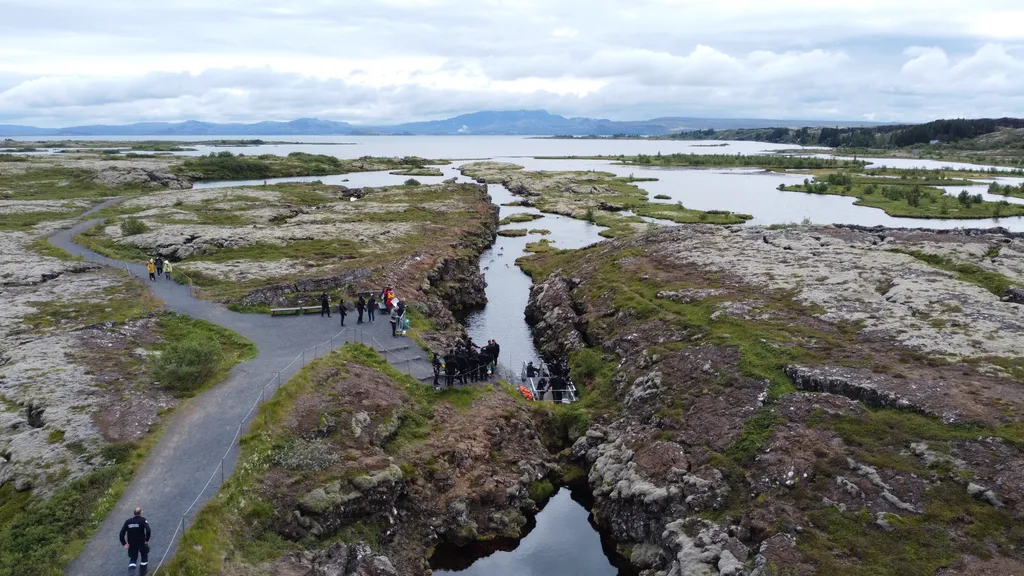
{"points": [[68, 62]]}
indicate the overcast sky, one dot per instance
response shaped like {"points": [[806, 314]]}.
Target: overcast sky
{"points": [[65, 62]]}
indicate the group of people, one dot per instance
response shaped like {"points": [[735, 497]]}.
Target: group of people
{"points": [[555, 380], [392, 304], [159, 267], [466, 362]]}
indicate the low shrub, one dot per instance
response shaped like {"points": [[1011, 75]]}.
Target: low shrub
{"points": [[412, 182], [133, 226], [185, 365]]}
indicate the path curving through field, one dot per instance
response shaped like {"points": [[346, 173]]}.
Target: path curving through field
{"points": [[171, 481]]}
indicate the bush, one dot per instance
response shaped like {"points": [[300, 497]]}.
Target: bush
{"points": [[186, 365], [133, 226], [589, 215], [662, 197], [412, 182], [541, 491]]}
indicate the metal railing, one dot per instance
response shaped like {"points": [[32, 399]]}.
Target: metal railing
{"points": [[280, 377], [567, 394]]}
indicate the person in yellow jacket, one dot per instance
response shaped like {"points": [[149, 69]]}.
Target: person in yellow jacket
{"points": [[151, 267], [168, 269]]}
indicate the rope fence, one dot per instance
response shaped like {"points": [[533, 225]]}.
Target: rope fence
{"points": [[276, 381]]}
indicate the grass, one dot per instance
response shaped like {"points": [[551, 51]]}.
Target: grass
{"points": [[542, 246], [721, 161], [40, 537], [877, 429], [681, 215], [513, 233], [994, 282], [232, 347], [116, 303], [45, 182], [909, 199], [23, 221], [95, 240], [953, 523], [519, 217], [227, 166], [42, 247], [236, 520]]}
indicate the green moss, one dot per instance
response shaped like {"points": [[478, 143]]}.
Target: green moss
{"points": [[953, 524], [875, 430], [219, 531], [541, 490], [756, 433], [26, 220], [519, 217], [42, 247], [513, 233], [179, 329], [228, 166], [908, 199], [55, 437], [116, 303], [994, 282]]}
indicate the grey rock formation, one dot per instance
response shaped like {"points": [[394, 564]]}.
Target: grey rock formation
{"points": [[552, 313]]}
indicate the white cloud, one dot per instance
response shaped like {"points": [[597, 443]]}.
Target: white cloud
{"points": [[65, 62]]}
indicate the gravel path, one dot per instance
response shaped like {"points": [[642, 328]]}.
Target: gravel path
{"points": [[169, 482]]}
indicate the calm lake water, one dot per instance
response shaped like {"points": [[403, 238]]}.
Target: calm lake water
{"points": [[563, 543]]}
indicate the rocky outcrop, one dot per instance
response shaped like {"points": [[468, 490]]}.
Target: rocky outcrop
{"points": [[552, 314], [278, 294], [339, 559], [854, 384], [122, 176], [458, 281]]}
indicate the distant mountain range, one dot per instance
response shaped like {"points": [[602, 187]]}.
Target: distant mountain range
{"points": [[518, 122]]}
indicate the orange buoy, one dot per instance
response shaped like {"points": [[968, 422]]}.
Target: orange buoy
{"points": [[526, 393]]}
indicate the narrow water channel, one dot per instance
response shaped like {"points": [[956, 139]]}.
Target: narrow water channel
{"points": [[563, 542], [508, 287]]}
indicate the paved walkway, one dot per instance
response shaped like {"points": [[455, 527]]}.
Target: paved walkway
{"points": [[202, 429]]}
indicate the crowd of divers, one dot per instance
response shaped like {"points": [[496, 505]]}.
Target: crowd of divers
{"points": [[467, 363]]}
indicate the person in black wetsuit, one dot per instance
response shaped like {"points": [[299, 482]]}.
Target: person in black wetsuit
{"points": [[134, 536], [360, 307], [436, 364], [371, 308], [449, 369], [483, 359], [325, 304]]}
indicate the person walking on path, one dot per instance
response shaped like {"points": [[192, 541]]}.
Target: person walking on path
{"points": [[341, 310], [325, 304], [371, 308], [134, 536], [168, 268], [360, 307], [151, 268], [394, 322], [159, 266]]}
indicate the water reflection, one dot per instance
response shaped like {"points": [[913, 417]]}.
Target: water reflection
{"points": [[562, 542]]}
